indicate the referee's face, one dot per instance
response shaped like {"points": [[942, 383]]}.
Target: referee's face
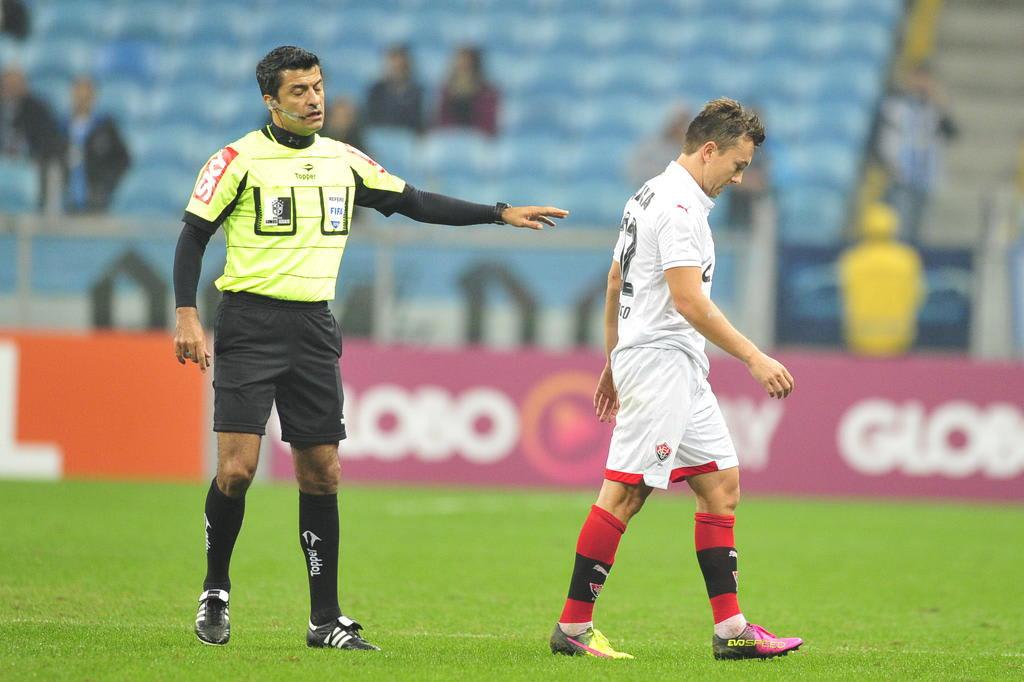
{"points": [[302, 95]]}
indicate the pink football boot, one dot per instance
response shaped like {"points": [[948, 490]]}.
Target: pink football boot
{"points": [[753, 642]]}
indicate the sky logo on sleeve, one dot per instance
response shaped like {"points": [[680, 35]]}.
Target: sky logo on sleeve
{"points": [[211, 175]]}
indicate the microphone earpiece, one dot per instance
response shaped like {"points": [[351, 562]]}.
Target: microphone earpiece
{"points": [[272, 106]]}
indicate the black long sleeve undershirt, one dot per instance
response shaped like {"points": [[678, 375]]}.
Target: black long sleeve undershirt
{"points": [[438, 209], [188, 263]]}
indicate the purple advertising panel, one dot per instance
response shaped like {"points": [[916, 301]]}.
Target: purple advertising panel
{"points": [[939, 427]]}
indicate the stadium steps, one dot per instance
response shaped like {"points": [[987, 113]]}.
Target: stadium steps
{"points": [[979, 63]]}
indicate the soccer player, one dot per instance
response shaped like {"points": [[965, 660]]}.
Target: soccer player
{"points": [[285, 196], [668, 424]]}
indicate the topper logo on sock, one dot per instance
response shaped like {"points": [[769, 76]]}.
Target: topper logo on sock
{"points": [[310, 537], [207, 532], [595, 589], [662, 451]]}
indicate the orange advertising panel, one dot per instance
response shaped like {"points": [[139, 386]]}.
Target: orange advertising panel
{"points": [[99, 405]]}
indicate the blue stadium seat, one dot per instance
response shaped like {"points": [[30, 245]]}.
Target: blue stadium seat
{"points": [[853, 82], [594, 159], [812, 215], [154, 191], [828, 163], [58, 58], [597, 203], [454, 151], [85, 18], [535, 115], [529, 156], [157, 22], [135, 59], [518, 71], [130, 101], [394, 148], [19, 186]]}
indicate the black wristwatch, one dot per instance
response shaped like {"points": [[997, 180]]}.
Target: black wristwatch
{"points": [[498, 208]]}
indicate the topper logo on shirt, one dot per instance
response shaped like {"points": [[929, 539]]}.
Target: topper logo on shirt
{"points": [[306, 172], [705, 276], [211, 175]]}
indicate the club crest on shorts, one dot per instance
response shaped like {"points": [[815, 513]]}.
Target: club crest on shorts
{"points": [[662, 451]]}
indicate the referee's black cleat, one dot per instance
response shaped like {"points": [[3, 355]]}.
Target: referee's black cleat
{"points": [[341, 633], [212, 623]]}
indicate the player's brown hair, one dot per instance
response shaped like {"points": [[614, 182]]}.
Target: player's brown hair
{"points": [[725, 122]]}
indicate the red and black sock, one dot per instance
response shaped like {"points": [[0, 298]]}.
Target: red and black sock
{"points": [[595, 554], [319, 537], [223, 522], [716, 554]]}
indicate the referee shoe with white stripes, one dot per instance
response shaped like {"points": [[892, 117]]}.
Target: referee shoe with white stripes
{"points": [[342, 633], [212, 623]]}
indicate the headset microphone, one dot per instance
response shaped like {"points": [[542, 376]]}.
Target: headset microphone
{"points": [[284, 112]]}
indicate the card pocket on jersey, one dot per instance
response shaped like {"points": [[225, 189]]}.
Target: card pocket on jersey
{"points": [[275, 211], [335, 214]]}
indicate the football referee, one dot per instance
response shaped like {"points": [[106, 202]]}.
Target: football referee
{"points": [[285, 196]]}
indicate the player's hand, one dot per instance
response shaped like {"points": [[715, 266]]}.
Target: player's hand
{"points": [[606, 398], [533, 217], [772, 375], [189, 338]]}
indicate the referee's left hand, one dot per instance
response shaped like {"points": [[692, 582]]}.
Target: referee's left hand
{"points": [[533, 217], [189, 339]]}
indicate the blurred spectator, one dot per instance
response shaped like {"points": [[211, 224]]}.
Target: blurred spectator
{"points": [[28, 130], [27, 125], [342, 122], [396, 99], [882, 285], [96, 157], [650, 157], [14, 18], [914, 126], [467, 98]]}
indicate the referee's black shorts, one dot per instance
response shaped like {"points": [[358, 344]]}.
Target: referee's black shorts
{"points": [[266, 349]]}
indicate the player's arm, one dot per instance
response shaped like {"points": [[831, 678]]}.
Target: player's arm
{"points": [[388, 194], [685, 285], [606, 398]]}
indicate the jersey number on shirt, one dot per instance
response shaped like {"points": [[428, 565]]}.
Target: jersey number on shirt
{"points": [[628, 251]]}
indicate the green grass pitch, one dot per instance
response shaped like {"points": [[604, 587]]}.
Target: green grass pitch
{"points": [[98, 581]]}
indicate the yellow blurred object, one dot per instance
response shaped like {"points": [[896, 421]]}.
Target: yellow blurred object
{"points": [[882, 287]]}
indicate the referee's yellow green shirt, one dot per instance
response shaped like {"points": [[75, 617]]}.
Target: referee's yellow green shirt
{"points": [[286, 212]]}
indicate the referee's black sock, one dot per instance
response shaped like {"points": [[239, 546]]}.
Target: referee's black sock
{"points": [[318, 535], [223, 521]]}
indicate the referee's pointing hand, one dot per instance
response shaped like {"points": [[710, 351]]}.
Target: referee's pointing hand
{"points": [[533, 217], [189, 339]]}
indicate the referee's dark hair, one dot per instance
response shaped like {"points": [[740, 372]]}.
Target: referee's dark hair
{"points": [[725, 122], [268, 71]]}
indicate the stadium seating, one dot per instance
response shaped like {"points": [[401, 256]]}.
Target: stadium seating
{"points": [[19, 186], [581, 82]]}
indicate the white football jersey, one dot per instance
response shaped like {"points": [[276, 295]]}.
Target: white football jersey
{"points": [[665, 225]]}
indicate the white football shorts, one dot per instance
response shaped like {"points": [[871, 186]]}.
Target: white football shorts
{"points": [[669, 424]]}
